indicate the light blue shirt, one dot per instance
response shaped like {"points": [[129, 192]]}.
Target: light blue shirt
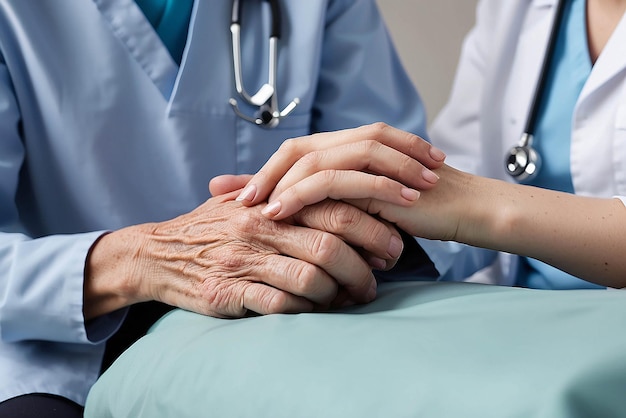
{"points": [[100, 129], [570, 67]]}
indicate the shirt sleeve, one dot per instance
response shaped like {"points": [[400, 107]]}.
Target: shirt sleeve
{"points": [[361, 78], [41, 279]]}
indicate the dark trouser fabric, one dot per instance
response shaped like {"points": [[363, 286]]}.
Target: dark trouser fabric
{"points": [[139, 319], [40, 405]]}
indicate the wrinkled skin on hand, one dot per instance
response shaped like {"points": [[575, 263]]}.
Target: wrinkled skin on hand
{"points": [[223, 259]]}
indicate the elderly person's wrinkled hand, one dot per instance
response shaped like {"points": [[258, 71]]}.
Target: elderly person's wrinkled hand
{"points": [[224, 259]]}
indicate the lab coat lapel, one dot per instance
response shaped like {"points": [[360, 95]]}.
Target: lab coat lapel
{"points": [[518, 59], [129, 24], [610, 63], [531, 49]]}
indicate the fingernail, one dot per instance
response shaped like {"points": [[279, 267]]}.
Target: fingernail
{"points": [[395, 247], [247, 194], [378, 263], [272, 209], [437, 154], [371, 294], [429, 176], [409, 194]]}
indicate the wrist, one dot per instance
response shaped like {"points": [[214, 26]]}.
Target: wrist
{"points": [[110, 283], [498, 211], [485, 213]]}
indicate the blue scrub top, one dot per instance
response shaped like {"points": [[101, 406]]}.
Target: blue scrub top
{"points": [[100, 128], [570, 67]]}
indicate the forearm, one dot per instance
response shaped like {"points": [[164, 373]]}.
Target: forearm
{"points": [[583, 236]]}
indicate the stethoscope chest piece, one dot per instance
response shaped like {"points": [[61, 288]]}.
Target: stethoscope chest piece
{"points": [[522, 163]]}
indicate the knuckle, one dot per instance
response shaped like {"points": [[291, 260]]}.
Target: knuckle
{"points": [[405, 165], [343, 217], [380, 232], [306, 283], [260, 176], [274, 302], [382, 183], [228, 260], [292, 194], [376, 129], [324, 248], [415, 144], [247, 220], [267, 300], [224, 297], [304, 275], [370, 146], [327, 177], [310, 161], [290, 147]]}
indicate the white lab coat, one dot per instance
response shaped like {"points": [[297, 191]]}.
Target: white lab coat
{"points": [[488, 107]]}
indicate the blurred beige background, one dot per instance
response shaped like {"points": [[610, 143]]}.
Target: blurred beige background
{"points": [[428, 35]]}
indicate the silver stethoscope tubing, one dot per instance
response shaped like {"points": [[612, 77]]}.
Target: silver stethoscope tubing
{"points": [[268, 114], [523, 162]]}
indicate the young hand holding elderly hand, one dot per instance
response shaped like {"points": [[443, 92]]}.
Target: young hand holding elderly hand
{"points": [[578, 234], [353, 163], [329, 245]]}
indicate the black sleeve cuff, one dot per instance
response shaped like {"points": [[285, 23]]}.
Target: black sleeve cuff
{"points": [[414, 263]]}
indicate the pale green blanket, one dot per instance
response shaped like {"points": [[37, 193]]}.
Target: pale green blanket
{"points": [[420, 350]]}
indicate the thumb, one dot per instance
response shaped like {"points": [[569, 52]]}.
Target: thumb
{"points": [[227, 183]]}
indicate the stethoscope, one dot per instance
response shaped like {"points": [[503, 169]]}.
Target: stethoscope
{"points": [[268, 114], [523, 162]]}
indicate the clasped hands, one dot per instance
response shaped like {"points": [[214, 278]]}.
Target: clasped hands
{"points": [[335, 200], [352, 181]]}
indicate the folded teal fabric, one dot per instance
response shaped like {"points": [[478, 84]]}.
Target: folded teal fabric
{"points": [[419, 350]]}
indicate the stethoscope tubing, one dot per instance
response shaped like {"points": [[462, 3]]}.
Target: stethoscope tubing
{"points": [[266, 97], [275, 29], [522, 162], [531, 121]]}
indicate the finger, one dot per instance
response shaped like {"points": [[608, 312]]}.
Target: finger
{"points": [[227, 183], [402, 217], [267, 178], [267, 300], [330, 253], [355, 226], [299, 276], [238, 297], [271, 284], [338, 185], [376, 262], [312, 264], [367, 156]]}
